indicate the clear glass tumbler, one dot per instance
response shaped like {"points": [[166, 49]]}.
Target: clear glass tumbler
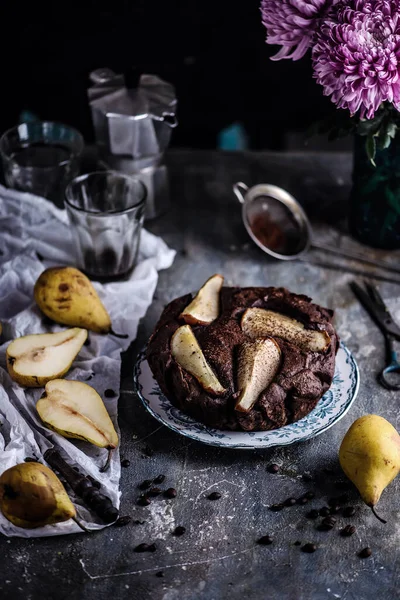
{"points": [[41, 157], [106, 211]]}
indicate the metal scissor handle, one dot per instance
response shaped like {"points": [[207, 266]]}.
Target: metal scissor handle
{"points": [[388, 376]]}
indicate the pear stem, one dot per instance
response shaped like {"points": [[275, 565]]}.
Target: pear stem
{"points": [[104, 468], [377, 516], [81, 525], [123, 336]]}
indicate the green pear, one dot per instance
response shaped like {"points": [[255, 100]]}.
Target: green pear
{"points": [[370, 457], [33, 360]]}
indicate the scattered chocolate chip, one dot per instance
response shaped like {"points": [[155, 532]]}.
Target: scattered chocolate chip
{"points": [[145, 484], [349, 511], [298, 543], [125, 462], [30, 459], [309, 495], [123, 521], [87, 342], [159, 479], [307, 477], [154, 491], [324, 511], [309, 548], [302, 500], [214, 496], [137, 522], [334, 509], [274, 468], [347, 531], [147, 451], [110, 393], [144, 548], [365, 552], [265, 540], [180, 530], [143, 501], [276, 507], [96, 484], [312, 514], [170, 493], [160, 574], [290, 502], [327, 524]]}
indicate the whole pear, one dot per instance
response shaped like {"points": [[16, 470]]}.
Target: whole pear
{"points": [[31, 496], [67, 296], [370, 456]]}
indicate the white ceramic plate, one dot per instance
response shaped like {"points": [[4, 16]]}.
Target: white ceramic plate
{"points": [[332, 407]]}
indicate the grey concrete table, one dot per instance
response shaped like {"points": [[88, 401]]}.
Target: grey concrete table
{"points": [[218, 556]]}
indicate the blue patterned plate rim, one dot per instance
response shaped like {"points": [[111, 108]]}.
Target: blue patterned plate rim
{"points": [[330, 409]]}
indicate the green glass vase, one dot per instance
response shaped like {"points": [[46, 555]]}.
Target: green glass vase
{"points": [[375, 196]]}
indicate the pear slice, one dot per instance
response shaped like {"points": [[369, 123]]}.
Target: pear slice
{"points": [[33, 360], [75, 410], [258, 322], [204, 308], [258, 363], [186, 351]]}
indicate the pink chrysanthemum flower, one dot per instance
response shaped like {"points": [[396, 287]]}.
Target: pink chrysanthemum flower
{"points": [[292, 24], [356, 57]]}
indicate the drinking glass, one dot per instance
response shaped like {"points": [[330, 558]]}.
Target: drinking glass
{"points": [[41, 157], [106, 211]]}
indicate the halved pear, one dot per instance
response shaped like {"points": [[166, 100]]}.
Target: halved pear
{"points": [[75, 410], [258, 322], [33, 360], [186, 351], [258, 363], [204, 308]]}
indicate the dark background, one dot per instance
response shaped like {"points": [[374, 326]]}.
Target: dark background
{"points": [[213, 51]]}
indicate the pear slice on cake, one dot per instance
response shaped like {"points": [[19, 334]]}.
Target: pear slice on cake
{"points": [[33, 360], [258, 363], [204, 308], [259, 322], [75, 410], [186, 351]]}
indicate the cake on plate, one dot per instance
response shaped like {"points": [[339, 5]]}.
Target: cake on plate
{"points": [[251, 359]]}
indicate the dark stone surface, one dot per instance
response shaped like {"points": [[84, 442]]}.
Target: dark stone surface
{"points": [[218, 557]]}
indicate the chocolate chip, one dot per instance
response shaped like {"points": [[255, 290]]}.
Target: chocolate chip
{"points": [[160, 574], [290, 502], [309, 548], [273, 468], [154, 491], [110, 393], [298, 543], [276, 507], [312, 514], [137, 522], [214, 496], [145, 548], [123, 521], [307, 477], [365, 552], [180, 530], [265, 540], [125, 462], [143, 500], [159, 479], [347, 531], [334, 509], [309, 495], [349, 511], [302, 500], [324, 511], [170, 493], [145, 484]]}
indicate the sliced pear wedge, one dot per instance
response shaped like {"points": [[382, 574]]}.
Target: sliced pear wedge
{"points": [[33, 360], [75, 410], [204, 308], [258, 322], [186, 351], [258, 363]]}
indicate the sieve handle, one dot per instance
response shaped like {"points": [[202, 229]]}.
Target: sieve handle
{"points": [[240, 189]]}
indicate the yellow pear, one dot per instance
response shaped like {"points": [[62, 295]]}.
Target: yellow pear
{"points": [[67, 296], [370, 456], [31, 495], [33, 360], [204, 308]]}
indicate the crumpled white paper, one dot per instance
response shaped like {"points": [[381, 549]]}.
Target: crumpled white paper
{"points": [[32, 226]]}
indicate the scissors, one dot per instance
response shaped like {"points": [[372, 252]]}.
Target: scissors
{"points": [[375, 306]]}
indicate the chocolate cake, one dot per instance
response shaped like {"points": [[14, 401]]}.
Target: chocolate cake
{"points": [[302, 377]]}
